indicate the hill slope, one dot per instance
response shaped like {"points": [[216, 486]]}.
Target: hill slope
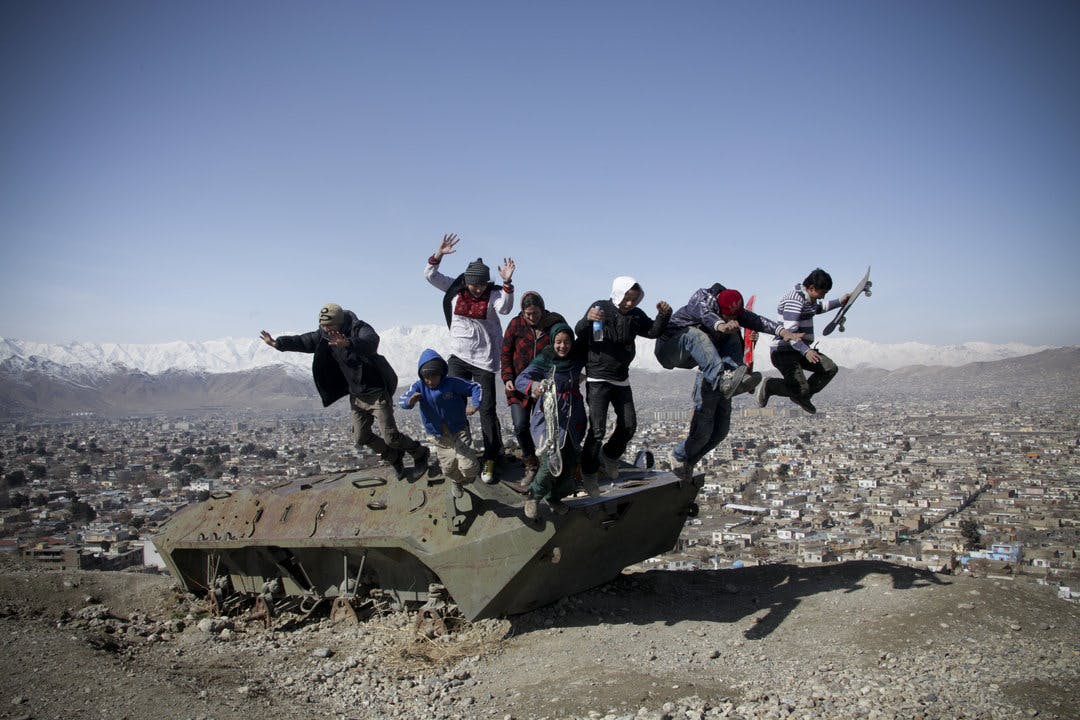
{"points": [[857, 640]]}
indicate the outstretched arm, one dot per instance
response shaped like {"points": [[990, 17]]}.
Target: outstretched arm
{"points": [[504, 301], [431, 268], [305, 343], [656, 327]]}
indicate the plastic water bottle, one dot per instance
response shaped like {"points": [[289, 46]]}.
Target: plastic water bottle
{"points": [[597, 328]]}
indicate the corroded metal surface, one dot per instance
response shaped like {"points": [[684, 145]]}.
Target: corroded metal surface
{"points": [[351, 533]]}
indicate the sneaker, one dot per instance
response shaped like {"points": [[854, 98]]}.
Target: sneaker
{"points": [[749, 383], [532, 508], [420, 457], [558, 507], [681, 470], [729, 380], [457, 489], [762, 393], [611, 466], [487, 475], [805, 404], [588, 481]]}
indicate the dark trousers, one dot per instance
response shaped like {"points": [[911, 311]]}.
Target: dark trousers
{"points": [[709, 425], [489, 420], [379, 406], [546, 486], [791, 365], [599, 395], [521, 415]]}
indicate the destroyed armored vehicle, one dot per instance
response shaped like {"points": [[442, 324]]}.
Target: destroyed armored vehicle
{"points": [[349, 537]]}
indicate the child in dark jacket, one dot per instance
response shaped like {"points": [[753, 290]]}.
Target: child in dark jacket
{"points": [[445, 416], [608, 373], [558, 438]]}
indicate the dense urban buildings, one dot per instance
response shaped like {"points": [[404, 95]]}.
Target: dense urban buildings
{"points": [[987, 486]]}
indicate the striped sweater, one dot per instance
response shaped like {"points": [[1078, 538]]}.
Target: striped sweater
{"points": [[797, 313]]}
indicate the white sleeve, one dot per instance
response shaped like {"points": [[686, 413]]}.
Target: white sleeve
{"points": [[436, 278], [504, 303]]}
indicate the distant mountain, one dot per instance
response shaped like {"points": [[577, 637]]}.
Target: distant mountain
{"points": [[403, 345], [38, 380]]}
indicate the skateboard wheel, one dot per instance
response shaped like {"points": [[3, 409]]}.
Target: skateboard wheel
{"points": [[868, 293]]}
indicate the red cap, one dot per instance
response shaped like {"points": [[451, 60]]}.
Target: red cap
{"points": [[730, 302]]}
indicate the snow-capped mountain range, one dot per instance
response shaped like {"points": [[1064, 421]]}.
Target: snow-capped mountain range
{"points": [[403, 345]]}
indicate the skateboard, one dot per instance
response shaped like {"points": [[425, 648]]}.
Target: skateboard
{"points": [[748, 340], [838, 321]]}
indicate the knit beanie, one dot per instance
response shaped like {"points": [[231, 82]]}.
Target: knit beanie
{"points": [[477, 273], [730, 302], [331, 314]]}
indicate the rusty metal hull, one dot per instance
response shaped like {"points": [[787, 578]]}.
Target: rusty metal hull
{"points": [[314, 537]]}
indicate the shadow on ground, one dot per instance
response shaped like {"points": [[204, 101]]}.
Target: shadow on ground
{"points": [[726, 596]]}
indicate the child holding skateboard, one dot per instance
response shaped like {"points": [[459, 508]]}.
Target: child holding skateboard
{"points": [[797, 310]]}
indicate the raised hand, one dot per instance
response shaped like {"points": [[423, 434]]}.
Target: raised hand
{"points": [[663, 308], [268, 339], [446, 247], [506, 270], [335, 337]]}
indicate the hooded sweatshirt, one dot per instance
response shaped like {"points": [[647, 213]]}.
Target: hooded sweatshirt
{"points": [[609, 359], [444, 405]]}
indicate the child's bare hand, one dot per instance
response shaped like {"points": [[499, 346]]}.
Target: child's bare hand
{"points": [[506, 270], [471, 410], [335, 337], [446, 247]]}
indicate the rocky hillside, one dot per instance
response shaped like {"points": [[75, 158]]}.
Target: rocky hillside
{"points": [[856, 640]]}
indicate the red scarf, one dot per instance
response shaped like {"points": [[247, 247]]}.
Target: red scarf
{"points": [[467, 305]]}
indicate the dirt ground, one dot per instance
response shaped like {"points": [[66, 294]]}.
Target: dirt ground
{"points": [[781, 639]]}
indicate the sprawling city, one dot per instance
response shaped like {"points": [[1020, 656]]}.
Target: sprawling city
{"points": [[984, 487]]}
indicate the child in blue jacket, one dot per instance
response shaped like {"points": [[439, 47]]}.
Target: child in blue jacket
{"points": [[445, 416]]}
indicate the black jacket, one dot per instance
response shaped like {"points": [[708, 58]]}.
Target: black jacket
{"points": [[611, 358], [355, 369]]}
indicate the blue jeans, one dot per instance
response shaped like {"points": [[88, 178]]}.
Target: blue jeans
{"points": [[709, 425], [693, 348]]}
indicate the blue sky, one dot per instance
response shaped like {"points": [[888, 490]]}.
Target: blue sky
{"points": [[199, 170]]}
